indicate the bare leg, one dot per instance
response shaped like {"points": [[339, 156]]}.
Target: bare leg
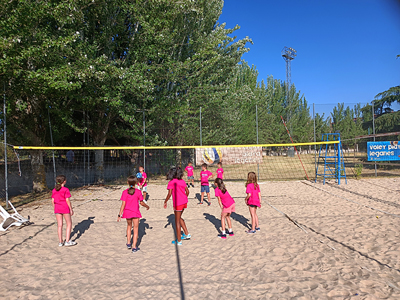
{"points": [[223, 216], [183, 225], [68, 220], [256, 217], [178, 215], [202, 197], [228, 220], [253, 217], [208, 197], [59, 218], [128, 230], [135, 231], [144, 195]]}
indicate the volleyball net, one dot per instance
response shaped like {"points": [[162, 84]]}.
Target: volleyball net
{"points": [[29, 166]]}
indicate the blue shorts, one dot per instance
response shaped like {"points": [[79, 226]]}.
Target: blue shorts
{"points": [[190, 177], [205, 188]]}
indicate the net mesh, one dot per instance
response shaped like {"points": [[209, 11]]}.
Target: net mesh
{"points": [[31, 168]]}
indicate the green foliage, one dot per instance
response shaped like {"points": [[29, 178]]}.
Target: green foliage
{"points": [[358, 170]]}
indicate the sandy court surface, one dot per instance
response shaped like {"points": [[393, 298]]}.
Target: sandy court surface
{"points": [[345, 249]]}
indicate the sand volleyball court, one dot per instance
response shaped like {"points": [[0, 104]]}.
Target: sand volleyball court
{"points": [[346, 246]]}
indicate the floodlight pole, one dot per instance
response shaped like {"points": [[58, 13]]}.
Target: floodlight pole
{"points": [[5, 146], [288, 55]]}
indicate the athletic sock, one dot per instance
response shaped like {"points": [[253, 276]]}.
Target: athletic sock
{"points": [[223, 231], [230, 229]]}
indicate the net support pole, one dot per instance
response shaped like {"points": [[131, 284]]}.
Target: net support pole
{"points": [[5, 146], [373, 129], [52, 145], [258, 165], [144, 140], [315, 139], [84, 152], [201, 139]]}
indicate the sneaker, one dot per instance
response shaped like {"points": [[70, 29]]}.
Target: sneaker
{"points": [[250, 231], [129, 246], [135, 249], [70, 243], [60, 244], [222, 236], [186, 237], [231, 233], [192, 184], [177, 243], [209, 203], [258, 228]]}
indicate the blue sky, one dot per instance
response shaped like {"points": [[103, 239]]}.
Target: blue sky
{"points": [[346, 49]]}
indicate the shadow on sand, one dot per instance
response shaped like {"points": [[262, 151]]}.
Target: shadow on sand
{"points": [[81, 227]]}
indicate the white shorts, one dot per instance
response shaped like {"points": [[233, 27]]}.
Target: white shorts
{"points": [[144, 189]]}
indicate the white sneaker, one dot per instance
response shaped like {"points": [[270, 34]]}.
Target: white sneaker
{"points": [[60, 244], [70, 243]]}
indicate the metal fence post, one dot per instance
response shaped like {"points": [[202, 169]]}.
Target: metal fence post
{"points": [[144, 140], [258, 164], [52, 145], [373, 130], [315, 140], [5, 147], [201, 139]]}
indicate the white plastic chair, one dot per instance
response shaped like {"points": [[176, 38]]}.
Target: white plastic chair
{"points": [[14, 219]]}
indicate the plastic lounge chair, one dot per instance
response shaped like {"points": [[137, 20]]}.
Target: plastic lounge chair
{"points": [[14, 219]]}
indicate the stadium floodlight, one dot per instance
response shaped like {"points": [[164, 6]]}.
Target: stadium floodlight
{"points": [[288, 54]]}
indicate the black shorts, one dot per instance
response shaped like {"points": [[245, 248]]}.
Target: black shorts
{"points": [[251, 205]]}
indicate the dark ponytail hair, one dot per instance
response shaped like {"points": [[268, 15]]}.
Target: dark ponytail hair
{"points": [[175, 173], [220, 184], [171, 173], [132, 181], [179, 173], [59, 181]]}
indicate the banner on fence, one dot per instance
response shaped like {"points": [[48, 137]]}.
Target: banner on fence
{"points": [[383, 151], [229, 156]]}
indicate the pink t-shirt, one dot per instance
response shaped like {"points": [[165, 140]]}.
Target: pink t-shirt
{"points": [[178, 188], [144, 176], [60, 203], [189, 170], [131, 209], [254, 198], [204, 177], [226, 199], [220, 172]]}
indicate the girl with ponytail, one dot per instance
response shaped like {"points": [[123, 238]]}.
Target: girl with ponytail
{"points": [[129, 210]]}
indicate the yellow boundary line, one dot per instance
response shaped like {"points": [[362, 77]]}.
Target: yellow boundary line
{"points": [[168, 147]]}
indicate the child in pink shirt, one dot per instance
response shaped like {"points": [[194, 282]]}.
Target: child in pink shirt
{"points": [[220, 171], [129, 210], [143, 183], [227, 205], [253, 200], [178, 190], [62, 208], [190, 176], [205, 187]]}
